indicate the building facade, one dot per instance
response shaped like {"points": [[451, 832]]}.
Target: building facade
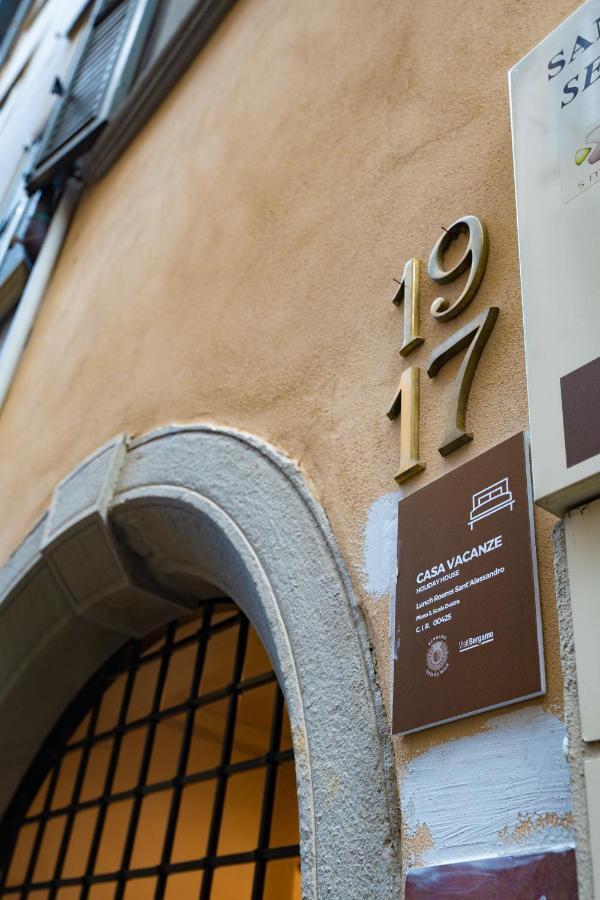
{"points": [[225, 227]]}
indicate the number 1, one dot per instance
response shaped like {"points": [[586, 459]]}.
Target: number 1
{"points": [[408, 291], [406, 403]]}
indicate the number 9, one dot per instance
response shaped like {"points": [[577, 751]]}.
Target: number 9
{"points": [[474, 256]]}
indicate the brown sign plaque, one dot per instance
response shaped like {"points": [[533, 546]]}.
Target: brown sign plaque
{"points": [[531, 876], [580, 391], [467, 625]]}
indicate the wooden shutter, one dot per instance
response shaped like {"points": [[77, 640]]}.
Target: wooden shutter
{"points": [[96, 85]]}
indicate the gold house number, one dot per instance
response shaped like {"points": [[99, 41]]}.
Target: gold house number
{"points": [[472, 337]]}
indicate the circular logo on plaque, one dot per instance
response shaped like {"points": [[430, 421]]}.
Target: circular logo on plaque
{"points": [[437, 656]]}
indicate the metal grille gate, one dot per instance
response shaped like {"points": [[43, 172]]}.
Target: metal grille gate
{"points": [[87, 744]]}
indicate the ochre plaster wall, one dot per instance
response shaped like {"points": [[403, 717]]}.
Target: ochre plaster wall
{"points": [[236, 265]]}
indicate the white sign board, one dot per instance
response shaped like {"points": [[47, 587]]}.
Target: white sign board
{"points": [[555, 109]]}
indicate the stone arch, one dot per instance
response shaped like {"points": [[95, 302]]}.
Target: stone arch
{"points": [[144, 528]]}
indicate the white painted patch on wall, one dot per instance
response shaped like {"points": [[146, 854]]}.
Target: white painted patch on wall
{"points": [[505, 789], [379, 553]]}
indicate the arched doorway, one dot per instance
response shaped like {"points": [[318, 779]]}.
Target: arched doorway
{"points": [[134, 537], [171, 775]]}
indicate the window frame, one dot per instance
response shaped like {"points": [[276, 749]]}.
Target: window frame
{"points": [[149, 91], [119, 82]]}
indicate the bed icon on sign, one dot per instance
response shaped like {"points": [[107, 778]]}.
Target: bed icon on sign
{"points": [[490, 500]]}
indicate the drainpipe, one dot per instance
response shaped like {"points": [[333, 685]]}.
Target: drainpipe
{"points": [[35, 289]]}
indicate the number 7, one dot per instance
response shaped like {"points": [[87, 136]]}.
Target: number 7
{"points": [[474, 336]]}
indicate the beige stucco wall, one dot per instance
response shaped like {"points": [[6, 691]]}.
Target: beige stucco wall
{"points": [[236, 265]]}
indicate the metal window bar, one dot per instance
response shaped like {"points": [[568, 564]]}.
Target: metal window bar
{"points": [[143, 774], [41, 829], [70, 820], [202, 864], [264, 834], [47, 762], [130, 661], [219, 803], [172, 711], [108, 782], [245, 765], [183, 758]]}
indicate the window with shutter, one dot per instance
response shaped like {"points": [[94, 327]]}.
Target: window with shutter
{"points": [[25, 233], [96, 86], [24, 221]]}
